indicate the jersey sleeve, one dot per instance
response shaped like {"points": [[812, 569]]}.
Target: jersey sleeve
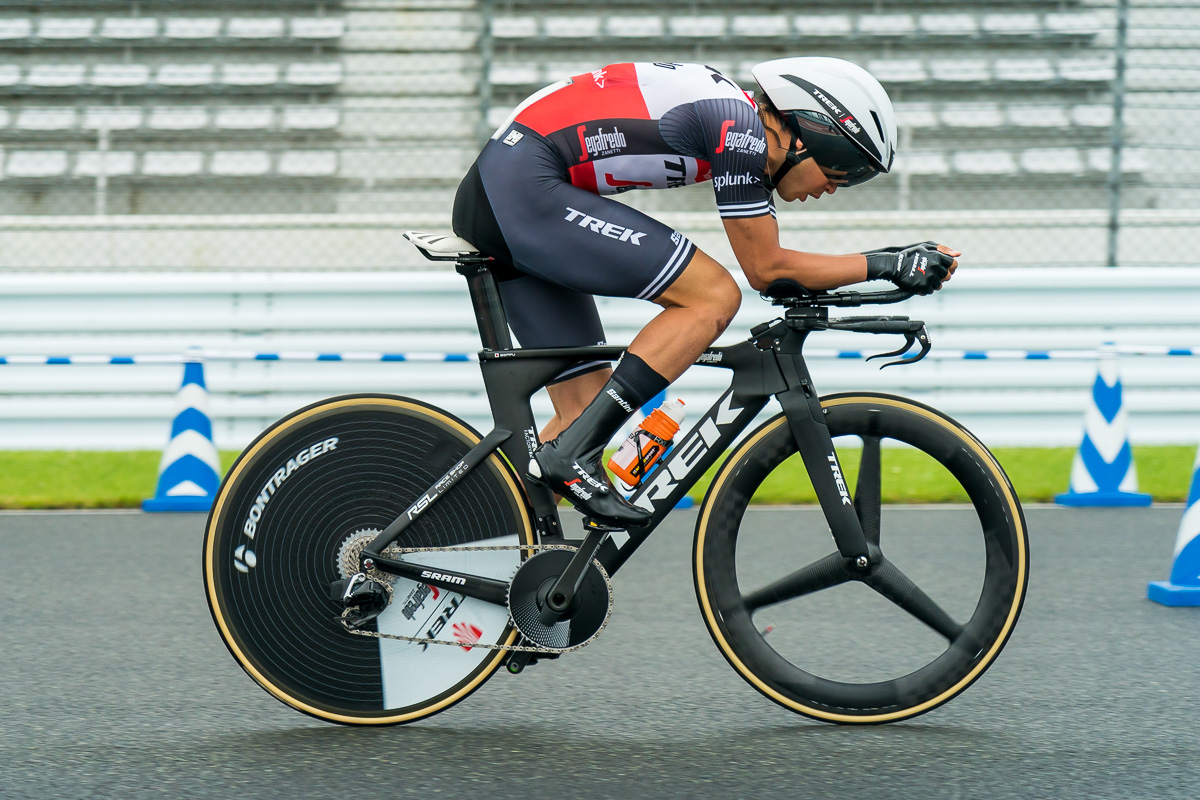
{"points": [[735, 144]]}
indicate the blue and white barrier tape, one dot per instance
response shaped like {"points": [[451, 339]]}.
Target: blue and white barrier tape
{"points": [[248, 355]]}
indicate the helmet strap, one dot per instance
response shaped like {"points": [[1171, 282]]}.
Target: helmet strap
{"points": [[791, 159]]}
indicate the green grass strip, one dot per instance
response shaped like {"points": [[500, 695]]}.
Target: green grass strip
{"points": [[54, 479]]}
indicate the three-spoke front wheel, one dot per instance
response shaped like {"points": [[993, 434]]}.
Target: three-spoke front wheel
{"points": [[826, 640]]}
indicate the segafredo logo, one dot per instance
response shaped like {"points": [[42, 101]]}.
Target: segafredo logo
{"points": [[604, 228], [742, 141], [250, 526], [689, 454], [599, 142]]}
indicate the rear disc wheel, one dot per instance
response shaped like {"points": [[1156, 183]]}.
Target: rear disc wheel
{"points": [[291, 517]]}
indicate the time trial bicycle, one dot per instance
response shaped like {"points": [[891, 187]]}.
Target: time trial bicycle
{"points": [[372, 560]]}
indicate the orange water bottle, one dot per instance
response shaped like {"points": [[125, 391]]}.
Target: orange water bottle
{"points": [[647, 443]]}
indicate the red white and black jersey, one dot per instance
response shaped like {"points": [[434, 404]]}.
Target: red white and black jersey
{"points": [[654, 126]]}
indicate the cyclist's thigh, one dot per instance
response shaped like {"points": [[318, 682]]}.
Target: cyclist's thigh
{"points": [[571, 237]]}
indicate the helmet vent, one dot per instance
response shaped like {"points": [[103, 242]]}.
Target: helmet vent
{"points": [[878, 125]]}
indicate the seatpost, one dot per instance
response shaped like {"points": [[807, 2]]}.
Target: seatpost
{"points": [[485, 300]]}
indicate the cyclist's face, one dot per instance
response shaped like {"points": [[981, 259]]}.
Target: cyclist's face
{"points": [[806, 180]]}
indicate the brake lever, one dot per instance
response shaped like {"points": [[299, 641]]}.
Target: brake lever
{"points": [[909, 340]]}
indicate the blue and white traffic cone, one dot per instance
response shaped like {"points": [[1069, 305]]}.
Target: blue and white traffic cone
{"points": [[188, 474], [1183, 588], [1103, 473]]}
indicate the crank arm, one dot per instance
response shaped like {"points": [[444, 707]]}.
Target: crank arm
{"points": [[489, 590], [563, 592]]}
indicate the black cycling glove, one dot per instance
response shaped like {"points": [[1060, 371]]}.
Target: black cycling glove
{"points": [[918, 268]]}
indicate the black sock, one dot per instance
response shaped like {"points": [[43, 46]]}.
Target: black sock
{"points": [[638, 380]]}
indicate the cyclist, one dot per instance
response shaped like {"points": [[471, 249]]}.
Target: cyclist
{"points": [[534, 201]]}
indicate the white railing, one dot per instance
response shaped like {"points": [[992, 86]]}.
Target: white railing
{"points": [[1004, 399]]}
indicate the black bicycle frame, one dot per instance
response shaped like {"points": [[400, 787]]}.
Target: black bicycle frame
{"points": [[769, 364]]}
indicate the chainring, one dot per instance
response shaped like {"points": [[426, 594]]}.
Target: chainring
{"points": [[585, 617]]}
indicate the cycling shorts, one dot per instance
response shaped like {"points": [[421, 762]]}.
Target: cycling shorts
{"points": [[556, 245]]}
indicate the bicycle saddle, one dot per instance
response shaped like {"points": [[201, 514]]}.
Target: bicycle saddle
{"points": [[439, 246]]}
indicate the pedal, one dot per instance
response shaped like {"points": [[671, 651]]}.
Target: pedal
{"points": [[365, 598], [519, 660], [590, 524]]}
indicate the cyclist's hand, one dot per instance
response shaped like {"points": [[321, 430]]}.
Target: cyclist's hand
{"points": [[920, 268], [898, 248]]}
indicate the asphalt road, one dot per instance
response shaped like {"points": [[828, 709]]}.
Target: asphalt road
{"points": [[114, 684]]}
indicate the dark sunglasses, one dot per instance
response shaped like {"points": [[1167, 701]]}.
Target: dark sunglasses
{"points": [[829, 148]]}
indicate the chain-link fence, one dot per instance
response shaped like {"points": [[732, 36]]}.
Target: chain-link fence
{"points": [[277, 134]]}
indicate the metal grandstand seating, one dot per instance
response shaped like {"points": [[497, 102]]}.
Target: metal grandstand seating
{"points": [[975, 115], [249, 75], [964, 70], [315, 74], [55, 75], [66, 28], [1024, 69], [515, 27], [46, 119], [244, 118], [172, 164], [913, 115], [10, 75], [308, 163], [949, 24], [1132, 160], [112, 118], [886, 24], [922, 163], [1052, 160], [129, 28], [184, 118], [984, 162], [823, 25], [1070, 23], [255, 28], [120, 75], [313, 28], [4, 118], [240, 163], [575, 27], [193, 28], [639, 27], [112, 164], [1092, 116], [185, 75], [759, 25], [699, 27], [1042, 116], [1086, 69], [36, 164], [1010, 24], [899, 70], [311, 117], [16, 28]]}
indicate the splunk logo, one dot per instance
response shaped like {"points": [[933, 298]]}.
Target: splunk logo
{"points": [[599, 142], [729, 179], [689, 454], [604, 228]]}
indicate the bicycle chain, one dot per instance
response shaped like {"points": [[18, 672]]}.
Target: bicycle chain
{"points": [[390, 551]]}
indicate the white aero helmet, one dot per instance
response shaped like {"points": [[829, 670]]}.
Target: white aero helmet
{"points": [[840, 112]]}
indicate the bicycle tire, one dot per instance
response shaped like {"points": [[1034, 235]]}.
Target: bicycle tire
{"points": [[729, 611], [333, 471]]}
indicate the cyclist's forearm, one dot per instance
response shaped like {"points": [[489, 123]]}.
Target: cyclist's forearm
{"points": [[818, 270]]}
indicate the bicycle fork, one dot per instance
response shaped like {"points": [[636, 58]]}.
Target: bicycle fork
{"points": [[806, 419]]}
